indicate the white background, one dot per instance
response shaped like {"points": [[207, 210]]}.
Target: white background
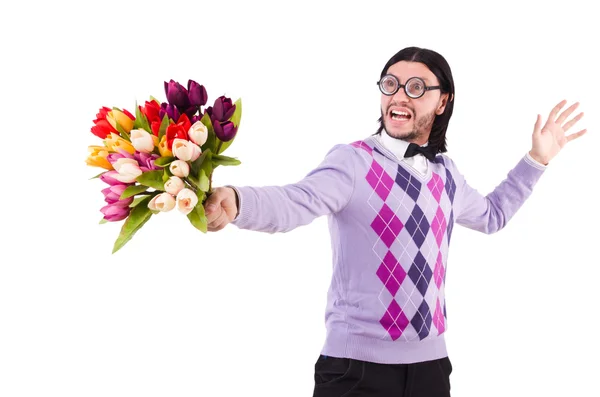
{"points": [[179, 313]]}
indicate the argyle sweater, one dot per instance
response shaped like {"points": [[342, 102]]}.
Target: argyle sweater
{"points": [[390, 230]]}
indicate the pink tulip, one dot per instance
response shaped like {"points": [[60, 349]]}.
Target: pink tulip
{"points": [[113, 213], [112, 195], [186, 201], [110, 177], [163, 202], [174, 185], [179, 168]]}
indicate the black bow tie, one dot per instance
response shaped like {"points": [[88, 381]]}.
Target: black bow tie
{"points": [[427, 151]]}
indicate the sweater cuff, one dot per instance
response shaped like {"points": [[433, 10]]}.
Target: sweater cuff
{"points": [[535, 163], [244, 208]]}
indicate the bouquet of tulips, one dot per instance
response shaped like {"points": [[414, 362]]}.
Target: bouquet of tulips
{"points": [[163, 156]]}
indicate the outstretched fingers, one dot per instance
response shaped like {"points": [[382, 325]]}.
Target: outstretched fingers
{"points": [[572, 122]]}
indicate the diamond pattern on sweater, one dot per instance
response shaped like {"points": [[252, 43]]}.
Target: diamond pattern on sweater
{"points": [[436, 186], [362, 145], [421, 321], [420, 273], [391, 273], [379, 180], [438, 226], [417, 225], [439, 273], [438, 318], [412, 217], [387, 225], [394, 320], [408, 183]]}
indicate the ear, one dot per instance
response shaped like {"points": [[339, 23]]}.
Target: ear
{"points": [[442, 103]]}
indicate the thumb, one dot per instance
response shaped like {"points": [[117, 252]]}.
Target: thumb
{"points": [[212, 202], [537, 129]]}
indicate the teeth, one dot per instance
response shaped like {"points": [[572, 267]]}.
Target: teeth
{"points": [[398, 113]]}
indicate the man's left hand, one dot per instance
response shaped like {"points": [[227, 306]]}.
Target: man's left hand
{"points": [[548, 140]]}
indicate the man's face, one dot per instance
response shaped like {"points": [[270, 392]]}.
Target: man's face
{"points": [[415, 124]]}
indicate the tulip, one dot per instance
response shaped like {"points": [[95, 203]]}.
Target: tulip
{"points": [[177, 95], [114, 142], [101, 126], [112, 195], [163, 202], [173, 185], [224, 131], [98, 157], [143, 141], [175, 131], [110, 177], [146, 161], [169, 110], [163, 147], [113, 212], [128, 170], [186, 150], [151, 110], [123, 118], [222, 109], [186, 201], [197, 94], [198, 133], [179, 168]]}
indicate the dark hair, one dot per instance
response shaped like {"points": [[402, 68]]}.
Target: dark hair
{"points": [[440, 68]]}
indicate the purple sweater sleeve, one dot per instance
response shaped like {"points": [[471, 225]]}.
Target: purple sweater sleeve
{"points": [[326, 189], [489, 214]]}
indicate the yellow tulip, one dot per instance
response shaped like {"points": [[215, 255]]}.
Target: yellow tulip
{"points": [[97, 157], [114, 142], [163, 148], [115, 117]]}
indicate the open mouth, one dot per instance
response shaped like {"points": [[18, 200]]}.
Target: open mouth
{"points": [[399, 115]]}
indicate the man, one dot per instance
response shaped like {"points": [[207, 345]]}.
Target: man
{"points": [[392, 200]]}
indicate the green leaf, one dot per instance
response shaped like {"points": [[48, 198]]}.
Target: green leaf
{"points": [[138, 200], [211, 141], [197, 164], [203, 182], [140, 120], [163, 126], [97, 176], [218, 159], [197, 217], [237, 113], [166, 175], [102, 221], [163, 161], [133, 190], [205, 173], [138, 216], [235, 119], [153, 179]]}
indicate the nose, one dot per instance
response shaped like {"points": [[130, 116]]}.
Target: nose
{"points": [[400, 96]]}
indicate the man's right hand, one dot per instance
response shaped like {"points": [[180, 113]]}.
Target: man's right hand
{"points": [[220, 208]]}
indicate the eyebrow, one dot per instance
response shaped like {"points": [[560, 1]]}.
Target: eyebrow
{"points": [[425, 79]]}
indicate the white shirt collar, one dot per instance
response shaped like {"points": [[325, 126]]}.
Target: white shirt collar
{"points": [[396, 146]]}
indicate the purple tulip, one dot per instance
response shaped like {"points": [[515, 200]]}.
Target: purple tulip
{"points": [[196, 94], [224, 131], [170, 110], [146, 161], [222, 110], [115, 212], [177, 95], [113, 157]]}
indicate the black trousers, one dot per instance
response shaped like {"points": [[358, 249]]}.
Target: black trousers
{"points": [[344, 377]]}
